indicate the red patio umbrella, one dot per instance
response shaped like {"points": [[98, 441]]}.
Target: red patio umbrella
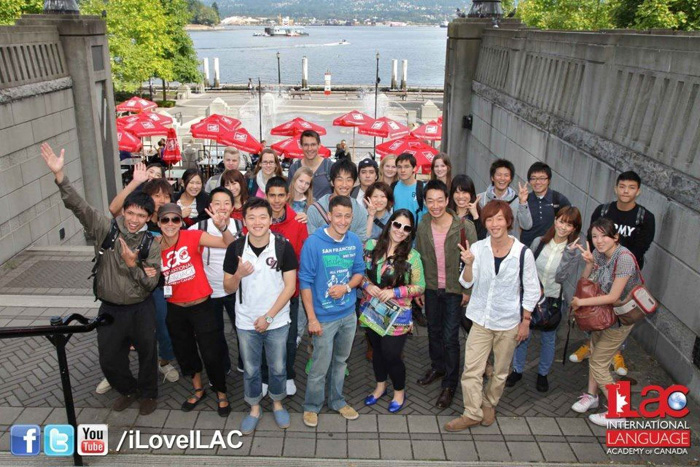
{"points": [[127, 120], [431, 131], [214, 126], [127, 142], [290, 148], [384, 127], [353, 119], [136, 104], [171, 154], [145, 127], [242, 140], [145, 116], [439, 120], [296, 126], [424, 154]]}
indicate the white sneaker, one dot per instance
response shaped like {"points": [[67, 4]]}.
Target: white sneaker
{"points": [[169, 372], [601, 420], [103, 387], [291, 387], [264, 391], [585, 403]]}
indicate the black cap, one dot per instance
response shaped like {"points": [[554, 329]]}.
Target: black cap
{"points": [[364, 163]]}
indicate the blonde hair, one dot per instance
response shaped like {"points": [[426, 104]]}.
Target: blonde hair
{"points": [[309, 191], [382, 178]]}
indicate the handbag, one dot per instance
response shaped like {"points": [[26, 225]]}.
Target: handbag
{"points": [[594, 317], [547, 314], [639, 304]]}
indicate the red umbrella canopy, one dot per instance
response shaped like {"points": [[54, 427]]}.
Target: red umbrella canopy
{"points": [[136, 104], [145, 127], [172, 149], [439, 120], [242, 140], [384, 127], [146, 116], [290, 148], [296, 126], [214, 126], [128, 120], [354, 118], [424, 154], [127, 141], [431, 131]]}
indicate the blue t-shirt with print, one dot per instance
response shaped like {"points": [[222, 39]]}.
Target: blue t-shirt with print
{"points": [[405, 198]]}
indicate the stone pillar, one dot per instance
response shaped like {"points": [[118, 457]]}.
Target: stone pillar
{"points": [[394, 72], [86, 50], [205, 64], [404, 74], [217, 81], [304, 72]]}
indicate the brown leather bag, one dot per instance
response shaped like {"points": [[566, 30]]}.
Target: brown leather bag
{"points": [[596, 317]]}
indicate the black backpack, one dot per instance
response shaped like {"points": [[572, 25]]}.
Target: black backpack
{"points": [[239, 245], [108, 244], [637, 221], [419, 194]]}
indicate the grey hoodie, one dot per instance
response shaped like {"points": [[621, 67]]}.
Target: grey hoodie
{"points": [[522, 219], [359, 217]]}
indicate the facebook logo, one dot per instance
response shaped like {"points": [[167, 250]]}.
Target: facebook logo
{"points": [[59, 440], [24, 440]]}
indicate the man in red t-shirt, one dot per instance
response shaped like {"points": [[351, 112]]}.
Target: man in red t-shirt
{"points": [[284, 223]]}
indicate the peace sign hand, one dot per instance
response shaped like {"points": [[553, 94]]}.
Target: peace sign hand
{"points": [[586, 253], [465, 254], [218, 218], [371, 208], [523, 193], [472, 207]]}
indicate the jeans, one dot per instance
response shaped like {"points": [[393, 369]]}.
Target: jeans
{"points": [[165, 345], [443, 311], [331, 351], [291, 343], [547, 339], [274, 344]]}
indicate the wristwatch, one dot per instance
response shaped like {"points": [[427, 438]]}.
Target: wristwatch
{"points": [[268, 319], [347, 287]]}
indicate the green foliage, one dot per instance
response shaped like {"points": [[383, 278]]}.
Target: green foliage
{"points": [[566, 14], [666, 14], [10, 10], [202, 14], [180, 54]]}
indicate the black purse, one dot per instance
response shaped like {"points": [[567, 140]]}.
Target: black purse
{"points": [[547, 314]]}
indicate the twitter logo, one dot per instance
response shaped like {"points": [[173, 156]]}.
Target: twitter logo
{"points": [[59, 440]]}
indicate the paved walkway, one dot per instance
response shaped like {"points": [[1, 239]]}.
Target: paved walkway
{"points": [[531, 427]]}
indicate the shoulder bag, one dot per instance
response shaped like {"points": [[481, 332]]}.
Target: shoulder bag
{"points": [[639, 303], [595, 317]]}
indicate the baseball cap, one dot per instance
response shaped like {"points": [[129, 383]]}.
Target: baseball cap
{"points": [[170, 208], [364, 163]]}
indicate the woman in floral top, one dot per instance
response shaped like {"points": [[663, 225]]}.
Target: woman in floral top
{"points": [[393, 275]]}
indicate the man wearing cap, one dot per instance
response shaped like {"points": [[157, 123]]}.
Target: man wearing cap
{"points": [[123, 286], [368, 173]]}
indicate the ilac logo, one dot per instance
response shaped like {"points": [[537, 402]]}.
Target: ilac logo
{"points": [[671, 401]]}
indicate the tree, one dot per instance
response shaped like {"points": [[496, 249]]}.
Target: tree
{"points": [[658, 14], [180, 54], [215, 7], [566, 14], [10, 10]]}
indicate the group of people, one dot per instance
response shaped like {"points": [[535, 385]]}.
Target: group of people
{"points": [[335, 243]]}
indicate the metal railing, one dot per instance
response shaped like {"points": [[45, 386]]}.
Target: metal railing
{"points": [[59, 333]]}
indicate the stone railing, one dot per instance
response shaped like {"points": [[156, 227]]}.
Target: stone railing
{"points": [[27, 58]]}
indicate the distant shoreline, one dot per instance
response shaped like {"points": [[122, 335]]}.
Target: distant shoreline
{"points": [[203, 27]]}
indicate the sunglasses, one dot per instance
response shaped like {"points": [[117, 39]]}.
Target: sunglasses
{"points": [[168, 220], [399, 226]]}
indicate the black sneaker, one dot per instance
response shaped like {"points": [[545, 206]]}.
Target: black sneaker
{"points": [[542, 383], [513, 378]]}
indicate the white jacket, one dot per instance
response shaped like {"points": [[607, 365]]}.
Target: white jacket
{"points": [[495, 299]]}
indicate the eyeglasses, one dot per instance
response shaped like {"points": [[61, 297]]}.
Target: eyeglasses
{"points": [[168, 220], [539, 179], [399, 226]]}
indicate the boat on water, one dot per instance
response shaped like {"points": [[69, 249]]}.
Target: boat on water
{"points": [[261, 34], [444, 24], [287, 31]]}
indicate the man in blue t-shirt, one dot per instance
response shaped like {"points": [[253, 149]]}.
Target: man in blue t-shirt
{"points": [[408, 192], [331, 268]]}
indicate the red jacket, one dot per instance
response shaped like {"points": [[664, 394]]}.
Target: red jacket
{"points": [[294, 231]]}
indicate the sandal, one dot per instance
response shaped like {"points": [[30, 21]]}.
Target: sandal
{"points": [[223, 411], [187, 406]]}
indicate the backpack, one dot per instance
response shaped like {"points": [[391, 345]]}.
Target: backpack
{"points": [[419, 194], [203, 225], [239, 245], [322, 211], [108, 244], [637, 221]]}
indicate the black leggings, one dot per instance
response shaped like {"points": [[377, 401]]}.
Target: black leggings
{"points": [[386, 358], [197, 330]]}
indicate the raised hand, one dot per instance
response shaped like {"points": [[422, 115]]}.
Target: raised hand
{"points": [[371, 208], [128, 255], [586, 253], [245, 268], [473, 207], [140, 174], [54, 162], [523, 193], [465, 254], [220, 219]]}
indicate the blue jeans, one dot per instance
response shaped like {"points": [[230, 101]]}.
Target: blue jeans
{"points": [[331, 351], [291, 342], [165, 345], [252, 344], [548, 340]]}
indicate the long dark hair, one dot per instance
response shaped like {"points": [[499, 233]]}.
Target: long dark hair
{"points": [[462, 183], [401, 252]]}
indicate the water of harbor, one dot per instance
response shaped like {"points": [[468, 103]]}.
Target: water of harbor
{"points": [[244, 56]]}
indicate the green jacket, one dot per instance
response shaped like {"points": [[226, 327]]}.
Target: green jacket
{"points": [[116, 282], [426, 247]]}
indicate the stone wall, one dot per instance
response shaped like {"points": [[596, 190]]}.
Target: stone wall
{"points": [[36, 105], [592, 105]]}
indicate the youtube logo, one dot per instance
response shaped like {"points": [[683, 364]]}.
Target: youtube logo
{"points": [[92, 440]]}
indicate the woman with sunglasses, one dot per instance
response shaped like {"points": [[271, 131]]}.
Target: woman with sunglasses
{"points": [[394, 274], [193, 324]]}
